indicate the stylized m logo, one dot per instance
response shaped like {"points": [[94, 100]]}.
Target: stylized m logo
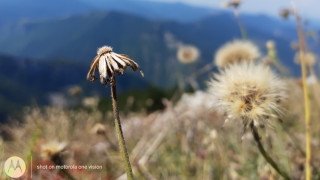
{"points": [[14, 167]]}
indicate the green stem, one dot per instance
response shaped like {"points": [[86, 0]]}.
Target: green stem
{"points": [[241, 27], [69, 176], [122, 144], [265, 154]]}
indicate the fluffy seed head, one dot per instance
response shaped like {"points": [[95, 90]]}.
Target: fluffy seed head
{"points": [[98, 129], [309, 58], [235, 52], [247, 91], [75, 91], [188, 54], [53, 151], [108, 63]]}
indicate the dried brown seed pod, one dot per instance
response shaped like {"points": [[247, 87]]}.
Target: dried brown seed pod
{"points": [[284, 13]]}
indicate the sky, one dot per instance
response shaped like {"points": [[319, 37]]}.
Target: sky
{"points": [[307, 8]]}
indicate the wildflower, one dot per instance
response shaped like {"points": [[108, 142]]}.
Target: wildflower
{"points": [[109, 63], [270, 45], [312, 80], [309, 58], [75, 91], [272, 53], [149, 102], [90, 101], [234, 4], [54, 151], [284, 13], [248, 92], [188, 54], [98, 129], [236, 51], [294, 46]]}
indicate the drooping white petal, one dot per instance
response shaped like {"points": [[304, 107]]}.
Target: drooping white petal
{"points": [[109, 65], [120, 61], [103, 66], [113, 63], [124, 59]]}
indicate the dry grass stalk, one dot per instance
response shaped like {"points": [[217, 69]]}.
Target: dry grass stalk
{"points": [[302, 51], [235, 5]]}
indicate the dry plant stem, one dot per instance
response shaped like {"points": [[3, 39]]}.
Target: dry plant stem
{"points": [[265, 154], [122, 144], [302, 47], [242, 29], [69, 176]]}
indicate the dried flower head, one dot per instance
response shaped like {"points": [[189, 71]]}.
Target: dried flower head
{"points": [[236, 51], [188, 54], [109, 63], [247, 91], [284, 13], [309, 58], [90, 102], [294, 45], [75, 91], [98, 129], [54, 151], [233, 4]]}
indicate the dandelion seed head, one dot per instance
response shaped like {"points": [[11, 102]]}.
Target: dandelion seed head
{"points": [[309, 58], [98, 129], [188, 54], [52, 148], [247, 91], [235, 52]]}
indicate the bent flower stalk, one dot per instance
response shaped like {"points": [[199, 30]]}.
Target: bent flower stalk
{"points": [[108, 64]]}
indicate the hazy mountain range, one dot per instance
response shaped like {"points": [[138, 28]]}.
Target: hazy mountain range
{"points": [[48, 45], [13, 10]]}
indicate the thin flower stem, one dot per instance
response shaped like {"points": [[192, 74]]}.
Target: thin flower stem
{"points": [[69, 176], [302, 47], [122, 144], [265, 154], [241, 26]]}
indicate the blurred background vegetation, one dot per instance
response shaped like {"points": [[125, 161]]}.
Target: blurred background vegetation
{"points": [[45, 51]]}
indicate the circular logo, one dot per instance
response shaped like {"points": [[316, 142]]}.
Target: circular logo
{"points": [[14, 167]]}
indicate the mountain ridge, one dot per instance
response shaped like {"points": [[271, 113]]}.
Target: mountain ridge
{"points": [[146, 41]]}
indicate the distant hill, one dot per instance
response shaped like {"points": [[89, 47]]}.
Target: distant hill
{"points": [[26, 81], [155, 10], [151, 43], [21, 10]]}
